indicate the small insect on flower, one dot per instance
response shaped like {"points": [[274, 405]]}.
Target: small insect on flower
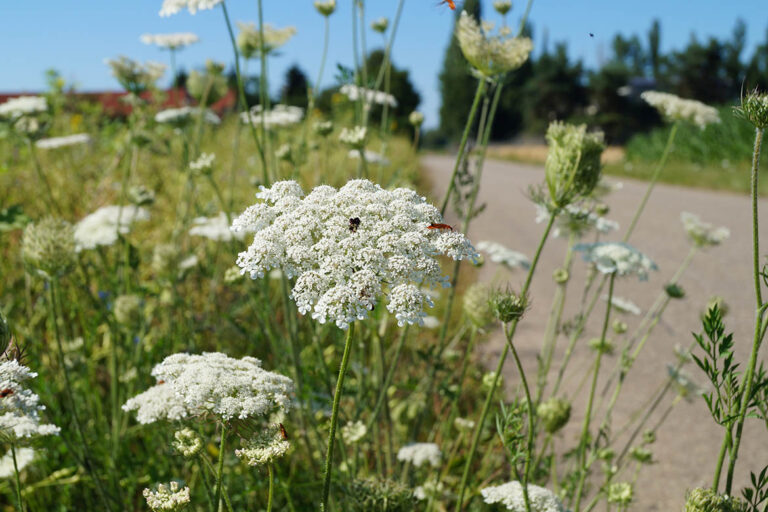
{"points": [[160, 382], [354, 223], [283, 432], [451, 4], [439, 226], [6, 392]]}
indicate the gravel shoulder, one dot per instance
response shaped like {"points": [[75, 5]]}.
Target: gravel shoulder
{"points": [[688, 442]]}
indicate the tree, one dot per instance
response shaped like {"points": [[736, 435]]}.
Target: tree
{"points": [[457, 85], [654, 49], [400, 86], [294, 90]]}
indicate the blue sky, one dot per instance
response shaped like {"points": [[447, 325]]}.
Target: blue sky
{"points": [[76, 36]]}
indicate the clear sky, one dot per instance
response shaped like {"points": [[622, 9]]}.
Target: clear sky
{"points": [[76, 36]]}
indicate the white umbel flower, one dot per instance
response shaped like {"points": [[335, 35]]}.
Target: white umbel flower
{"points": [[212, 384], [419, 453], [354, 93], [20, 408], [491, 54], [278, 116], [618, 257], [370, 156], [171, 41], [171, 7], [701, 233], [353, 432], [249, 40], [510, 495], [214, 228], [268, 446], [61, 142], [577, 220], [23, 105], [103, 226], [501, 254], [184, 115], [23, 457], [348, 247], [167, 498], [675, 108], [354, 137]]}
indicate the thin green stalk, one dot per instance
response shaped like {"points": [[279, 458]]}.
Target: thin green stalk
{"points": [[220, 467], [654, 179], [462, 145], [727, 441], [16, 475], [326, 32], [335, 418], [499, 368], [588, 415], [53, 205], [748, 382], [271, 487]]}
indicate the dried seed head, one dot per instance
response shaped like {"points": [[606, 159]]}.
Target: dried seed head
{"points": [[49, 247], [508, 306]]}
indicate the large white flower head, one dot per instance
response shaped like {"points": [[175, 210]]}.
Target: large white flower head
{"points": [[419, 453], [20, 408], [62, 142], [703, 234], [268, 446], [167, 498], [135, 76], [23, 106], [576, 220], [675, 108], [354, 137], [249, 40], [503, 255], [278, 116], [171, 41], [214, 228], [212, 384], [617, 257], [354, 93], [103, 226], [348, 247], [171, 7], [23, 457], [491, 54], [510, 495], [183, 116]]}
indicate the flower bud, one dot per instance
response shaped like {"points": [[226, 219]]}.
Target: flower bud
{"points": [[48, 246], [754, 108], [141, 195], [604, 346], [380, 25], [554, 414], [560, 276], [477, 306], [573, 162], [641, 455], [675, 291], [502, 6], [187, 442], [619, 327], [128, 310], [706, 500], [508, 306], [416, 118], [620, 493], [325, 8]]}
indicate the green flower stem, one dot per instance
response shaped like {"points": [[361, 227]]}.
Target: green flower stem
{"points": [[208, 491], [654, 179], [241, 92], [316, 91], [220, 467], [727, 442], [463, 144], [51, 204], [748, 383], [16, 475], [362, 169], [499, 367], [335, 418], [387, 379], [588, 415], [271, 487]]}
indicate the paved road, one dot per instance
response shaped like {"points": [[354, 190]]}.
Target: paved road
{"points": [[688, 443]]}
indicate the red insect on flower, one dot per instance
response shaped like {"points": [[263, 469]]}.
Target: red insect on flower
{"points": [[451, 4], [6, 392], [283, 432], [161, 382], [439, 226]]}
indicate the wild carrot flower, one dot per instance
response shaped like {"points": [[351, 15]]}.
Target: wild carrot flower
{"points": [[464, 425], [102, 227], [214, 228], [348, 247], [420, 453], [685, 385], [209, 85], [620, 493], [23, 106], [23, 457], [268, 446], [203, 164], [380, 25], [134, 76], [502, 6], [477, 305], [577, 220], [250, 39], [48, 246], [554, 414], [573, 162], [490, 54], [171, 41], [212, 384], [323, 128], [354, 137], [326, 8], [707, 500], [624, 305], [187, 442], [754, 108], [20, 408], [127, 310], [167, 498], [617, 257], [703, 234], [61, 142], [510, 495], [279, 115], [174, 6], [371, 157], [354, 93], [353, 432], [183, 116], [499, 253], [416, 118], [675, 108]]}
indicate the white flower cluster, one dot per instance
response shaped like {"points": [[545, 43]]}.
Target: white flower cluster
{"points": [[187, 442], [203, 163], [491, 54], [702, 233], [326, 7], [23, 457], [675, 108], [416, 118], [167, 498], [183, 115], [20, 408], [249, 40], [171, 7], [419, 453], [575, 219], [23, 105], [510, 495], [211, 384], [624, 305], [134, 75], [171, 41], [279, 115], [618, 257], [354, 93], [61, 142], [370, 157], [503, 255], [268, 446], [353, 432], [349, 246], [103, 226], [354, 137], [214, 228]]}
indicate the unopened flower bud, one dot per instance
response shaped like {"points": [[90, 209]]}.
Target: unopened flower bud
{"points": [[380, 25], [601, 345], [554, 414], [674, 291], [48, 246], [573, 162], [754, 108], [477, 306], [619, 327], [325, 8], [416, 118], [560, 276], [706, 500], [508, 306], [502, 6], [187, 442]]}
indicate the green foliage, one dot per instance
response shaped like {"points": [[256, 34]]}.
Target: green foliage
{"points": [[294, 90]]}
